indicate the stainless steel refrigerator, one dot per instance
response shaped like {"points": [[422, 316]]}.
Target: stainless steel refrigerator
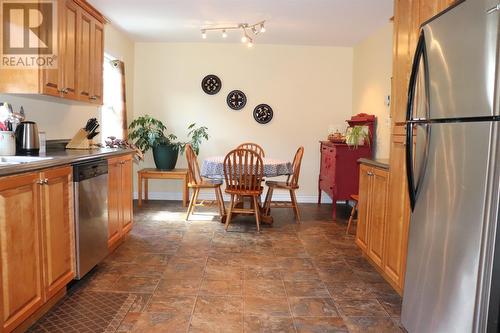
{"points": [[453, 167]]}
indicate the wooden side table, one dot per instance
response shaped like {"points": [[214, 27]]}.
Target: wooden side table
{"points": [[144, 175]]}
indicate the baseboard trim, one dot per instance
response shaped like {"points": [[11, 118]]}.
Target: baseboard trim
{"points": [[210, 195]]}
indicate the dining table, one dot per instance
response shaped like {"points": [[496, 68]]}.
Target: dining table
{"points": [[213, 168]]}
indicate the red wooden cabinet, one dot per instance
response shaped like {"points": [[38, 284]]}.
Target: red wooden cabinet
{"points": [[339, 169]]}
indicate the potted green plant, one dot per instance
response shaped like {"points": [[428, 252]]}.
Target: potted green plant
{"points": [[356, 136], [150, 133]]}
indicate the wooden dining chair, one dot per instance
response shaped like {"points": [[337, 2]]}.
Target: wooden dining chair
{"points": [[243, 172], [355, 198], [254, 147], [291, 184], [197, 183]]}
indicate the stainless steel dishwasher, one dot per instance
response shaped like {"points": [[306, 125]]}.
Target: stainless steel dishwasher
{"points": [[90, 181]]}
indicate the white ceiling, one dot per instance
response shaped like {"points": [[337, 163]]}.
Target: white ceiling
{"points": [[296, 22]]}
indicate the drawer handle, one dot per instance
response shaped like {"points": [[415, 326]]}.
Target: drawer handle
{"points": [[93, 98], [42, 181]]}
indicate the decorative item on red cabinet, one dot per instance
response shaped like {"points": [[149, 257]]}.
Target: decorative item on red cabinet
{"points": [[339, 169]]}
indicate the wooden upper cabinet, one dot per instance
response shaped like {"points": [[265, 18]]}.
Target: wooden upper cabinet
{"points": [[401, 58], [90, 58], [85, 22], [430, 8], [97, 61], [68, 51], [20, 254], [80, 56], [58, 230]]}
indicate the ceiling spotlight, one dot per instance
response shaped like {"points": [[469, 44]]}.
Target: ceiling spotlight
{"points": [[248, 31]]}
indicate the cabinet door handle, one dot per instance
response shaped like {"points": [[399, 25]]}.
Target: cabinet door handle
{"points": [[64, 91], [369, 173], [40, 181], [93, 98], [45, 181]]}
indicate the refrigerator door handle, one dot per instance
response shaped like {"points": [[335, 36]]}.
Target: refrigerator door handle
{"points": [[409, 165], [420, 54]]}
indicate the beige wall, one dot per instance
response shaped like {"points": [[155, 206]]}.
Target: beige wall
{"points": [[372, 71], [61, 119], [309, 88]]}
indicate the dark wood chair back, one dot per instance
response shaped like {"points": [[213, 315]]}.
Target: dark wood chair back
{"points": [[253, 146], [243, 171]]}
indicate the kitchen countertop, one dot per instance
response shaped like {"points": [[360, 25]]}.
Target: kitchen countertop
{"points": [[63, 157], [379, 163]]}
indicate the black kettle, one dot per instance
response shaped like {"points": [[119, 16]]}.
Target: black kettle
{"points": [[27, 140]]}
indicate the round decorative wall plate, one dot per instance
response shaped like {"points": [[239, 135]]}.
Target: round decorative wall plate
{"points": [[236, 100], [211, 84], [263, 113]]}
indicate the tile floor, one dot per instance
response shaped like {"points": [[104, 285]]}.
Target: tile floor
{"points": [[194, 277]]}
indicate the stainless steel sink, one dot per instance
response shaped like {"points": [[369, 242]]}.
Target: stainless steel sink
{"points": [[13, 160]]}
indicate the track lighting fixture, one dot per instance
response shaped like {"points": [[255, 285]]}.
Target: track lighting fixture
{"points": [[254, 29]]}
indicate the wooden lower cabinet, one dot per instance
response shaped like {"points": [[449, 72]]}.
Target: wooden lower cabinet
{"points": [[36, 242], [127, 193], [20, 249], [377, 215], [363, 207], [398, 217], [377, 236], [119, 199], [58, 230]]}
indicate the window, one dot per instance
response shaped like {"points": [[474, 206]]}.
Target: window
{"points": [[113, 112]]}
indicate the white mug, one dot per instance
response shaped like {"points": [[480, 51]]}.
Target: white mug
{"points": [[7, 143]]}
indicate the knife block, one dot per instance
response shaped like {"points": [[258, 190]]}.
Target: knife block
{"points": [[80, 141]]}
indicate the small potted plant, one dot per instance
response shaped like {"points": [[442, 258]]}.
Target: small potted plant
{"points": [[357, 136], [149, 133]]}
